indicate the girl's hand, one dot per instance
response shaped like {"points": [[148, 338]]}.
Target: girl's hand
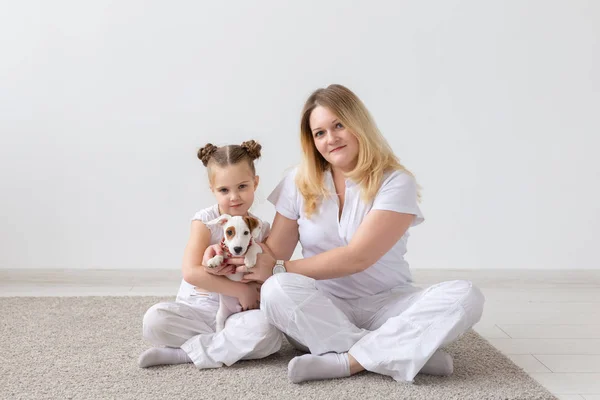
{"points": [[223, 269], [249, 297], [263, 268]]}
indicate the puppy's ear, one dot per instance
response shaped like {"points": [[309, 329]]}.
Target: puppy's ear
{"points": [[222, 220], [255, 226]]}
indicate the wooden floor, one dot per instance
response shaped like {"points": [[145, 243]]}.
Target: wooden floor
{"points": [[547, 322]]}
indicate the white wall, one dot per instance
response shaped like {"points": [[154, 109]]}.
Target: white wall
{"points": [[493, 105]]}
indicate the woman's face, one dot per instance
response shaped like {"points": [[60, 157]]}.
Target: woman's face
{"points": [[335, 143]]}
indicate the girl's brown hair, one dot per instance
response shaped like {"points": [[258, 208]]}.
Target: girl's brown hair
{"points": [[229, 155]]}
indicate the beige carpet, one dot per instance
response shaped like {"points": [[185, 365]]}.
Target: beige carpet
{"points": [[87, 348]]}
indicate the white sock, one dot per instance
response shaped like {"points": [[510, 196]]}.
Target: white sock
{"points": [[440, 364], [310, 367], [163, 356]]}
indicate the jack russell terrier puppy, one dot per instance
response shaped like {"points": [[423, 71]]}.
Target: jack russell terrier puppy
{"points": [[239, 239]]}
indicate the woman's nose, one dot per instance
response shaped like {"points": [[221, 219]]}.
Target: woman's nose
{"points": [[332, 138]]}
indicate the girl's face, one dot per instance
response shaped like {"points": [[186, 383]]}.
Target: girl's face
{"points": [[335, 143], [234, 187]]}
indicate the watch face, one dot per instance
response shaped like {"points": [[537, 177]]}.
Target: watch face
{"points": [[278, 269]]}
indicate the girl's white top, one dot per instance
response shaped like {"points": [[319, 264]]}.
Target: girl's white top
{"points": [[187, 292]]}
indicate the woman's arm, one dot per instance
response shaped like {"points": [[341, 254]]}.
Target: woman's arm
{"points": [[193, 270], [283, 237], [375, 236]]}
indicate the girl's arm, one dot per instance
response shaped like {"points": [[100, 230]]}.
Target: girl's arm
{"points": [[375, 236], [193, 270]]}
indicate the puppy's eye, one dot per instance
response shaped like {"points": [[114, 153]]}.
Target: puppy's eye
{"points": [[229, 232], [246, 232]]}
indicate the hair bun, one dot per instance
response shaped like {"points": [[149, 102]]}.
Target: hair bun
{"points": [[206, 152], [252, 148]]}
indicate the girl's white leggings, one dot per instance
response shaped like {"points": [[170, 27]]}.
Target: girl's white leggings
{"points": [[247, 335]]}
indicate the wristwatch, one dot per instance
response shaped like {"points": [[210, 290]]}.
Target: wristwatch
{"points": [[279, 267]]}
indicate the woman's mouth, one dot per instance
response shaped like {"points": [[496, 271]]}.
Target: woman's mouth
{"points": [[337, 148]]}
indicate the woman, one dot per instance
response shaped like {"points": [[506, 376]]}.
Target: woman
{"points": [[350, 301]]}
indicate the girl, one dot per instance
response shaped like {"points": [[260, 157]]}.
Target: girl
{"points": [[186, 327]]}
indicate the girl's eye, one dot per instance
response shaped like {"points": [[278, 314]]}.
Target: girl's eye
{"points": [[243, 186], [339, 125], [223, 190], [246, 232]]}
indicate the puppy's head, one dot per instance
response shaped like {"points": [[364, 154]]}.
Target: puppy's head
{"points": [[238, 231]]}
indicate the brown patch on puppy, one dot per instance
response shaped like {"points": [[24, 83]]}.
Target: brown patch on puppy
{"points": [[230, 232], [251, 222]]}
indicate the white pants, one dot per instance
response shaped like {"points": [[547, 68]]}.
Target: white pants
{"points": [[391, 333], [246, 335]]}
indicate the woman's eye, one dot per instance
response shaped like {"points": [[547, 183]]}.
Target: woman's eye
{"points": [[319, 133]]}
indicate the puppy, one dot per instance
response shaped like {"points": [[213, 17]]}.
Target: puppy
{"points": [[239, 239]]}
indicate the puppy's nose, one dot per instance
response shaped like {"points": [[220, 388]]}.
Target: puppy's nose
{"points": [[237, 249]]}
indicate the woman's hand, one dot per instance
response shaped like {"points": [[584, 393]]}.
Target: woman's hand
{"points": [[224, 268], [263, 268], [249, 297]]}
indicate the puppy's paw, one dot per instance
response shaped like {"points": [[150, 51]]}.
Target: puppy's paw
{"points": [[250, 260], [215, 261]]}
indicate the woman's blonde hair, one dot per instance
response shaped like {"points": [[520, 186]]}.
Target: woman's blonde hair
{"points": [[375, 156]]}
